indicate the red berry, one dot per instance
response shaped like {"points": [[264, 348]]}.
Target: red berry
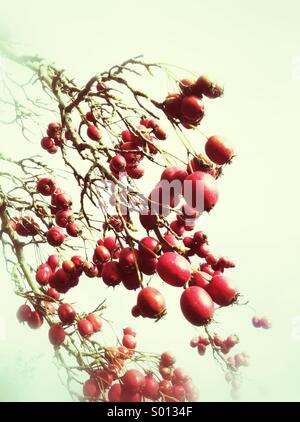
{"points": [[56, 334], [66, 313], [96, 322], [218, 150], [55, 236], [197, 306], [174, 269], [24, 313], [85, 327], [129, 341], [35, 320], [46, 186], [93, 133]]}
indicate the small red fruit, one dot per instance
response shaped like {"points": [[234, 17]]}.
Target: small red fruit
{"points": [[94, 133], [192, 108], [96, 322], [46, 186], [24, 313], [111, 273], [133, 381], [151, 303], [167, 359], [129, 341], [222, 290], [66, 313], [56, 335], [85, 327], [218, 150], [197, 306], [174, 269], [55, 236], [91, 389], [35, 320]]}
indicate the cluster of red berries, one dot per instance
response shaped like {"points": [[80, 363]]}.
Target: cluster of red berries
{"points": [[132, 146], [262, 322], [24, 226], [187, 106], [61, 207], [53, 140], [136, 385]]}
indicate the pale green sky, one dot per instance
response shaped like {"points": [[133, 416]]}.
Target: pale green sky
{"points": [[249, 46]]}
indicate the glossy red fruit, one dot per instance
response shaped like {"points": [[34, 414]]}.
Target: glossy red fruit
{"points": [[148, 221], [90, 117], [114, 393], [117, 163], [53, 261], [47, 143], [78, 260], [179, 376], [178, 393], [131, 153], [66, 313], [200, 191], [129, 341], [91, 389], [131, 280], [174, 269], [174, 173], [164, 197], [202, 250], [222, 290], [111, 273], [127, 136], [136, 172], [46, 186], [170, 242], [151, 303], [149, 247], [172, 106], [135, 312], [101, 255], [55, 236], [43, 274], [200, 279], [96, 322], [256, 322], [130, 397], [62, 200], [167, 359], [35, 320], [160, 133], [148, 265], [218, 150], [64, 217], [128, 259], [194, 342], [197, 306], [165, 387], [53, 293], [85, 327], [201, 349], [186, 86], [129, 330], [151, 388], [204, 86], [90, 269], [177, 227], [93, 133], [56, 334], [265, 323], [192, 108], [54, 128], [133, 381], [74, 229], [111, 243], [104, 378], [24, 313]]}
